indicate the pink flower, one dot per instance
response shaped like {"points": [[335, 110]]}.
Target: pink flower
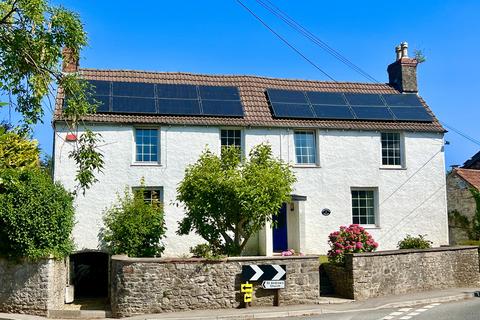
{"points": [[359, 245]]}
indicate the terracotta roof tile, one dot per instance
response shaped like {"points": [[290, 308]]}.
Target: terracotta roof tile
{"points": [[472, 176], [252, 93]]}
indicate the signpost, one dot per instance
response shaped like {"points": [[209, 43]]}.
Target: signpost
{"points": [[272, 276]]}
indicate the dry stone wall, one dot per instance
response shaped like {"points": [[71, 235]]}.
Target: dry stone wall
{"points": [[155, 285], [374, 274], [32, 287]]}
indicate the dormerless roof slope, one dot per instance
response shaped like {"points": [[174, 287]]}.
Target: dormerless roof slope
{"points": [[472, 176], [252, 92]]}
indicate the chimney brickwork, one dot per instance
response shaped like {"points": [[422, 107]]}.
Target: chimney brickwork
{"points": [[402, 74], [70, 60]]}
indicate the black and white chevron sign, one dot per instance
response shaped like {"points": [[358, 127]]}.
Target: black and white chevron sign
{"points": [[264, 272]]}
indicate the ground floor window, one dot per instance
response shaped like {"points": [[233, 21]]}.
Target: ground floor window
{"points": [[151, 194], [363, 206]]}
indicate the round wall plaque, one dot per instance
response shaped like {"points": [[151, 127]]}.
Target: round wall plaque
{"points": [[326, 212]]}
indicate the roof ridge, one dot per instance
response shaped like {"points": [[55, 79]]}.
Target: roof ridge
{"points": [[233, 76]]}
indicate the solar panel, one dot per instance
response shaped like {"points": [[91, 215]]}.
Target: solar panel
{"points": [[292, 110], [411, 114], [219, 93], [372, 113], [178, 107], [103, 103], [133, 105], [133, 89], [332, 112], [222, 108], [101, 88], [394, 100], [364, 99], [328, 98], [177, 91], [286, 96]]}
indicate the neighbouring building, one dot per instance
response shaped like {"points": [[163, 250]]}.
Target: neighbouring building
{"points": [[461, 203], [365, 153]]}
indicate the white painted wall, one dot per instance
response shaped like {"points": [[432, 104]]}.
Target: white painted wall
{"points": [[411, 200]]}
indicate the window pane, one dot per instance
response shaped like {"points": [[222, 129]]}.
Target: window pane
{"points": [[305, 147], [146, 145], [231, 138], [363, 207], [391, 148]]}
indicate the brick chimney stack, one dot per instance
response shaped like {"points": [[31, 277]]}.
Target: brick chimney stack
{"points": [[402, 74], [70, 60]]}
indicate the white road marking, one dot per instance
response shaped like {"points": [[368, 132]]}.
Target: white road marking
{"points": [[396, 313], [413, 314], [387, 318], [429, 307], [405, 318], [405, 309], [435, 304], [421, 310]]}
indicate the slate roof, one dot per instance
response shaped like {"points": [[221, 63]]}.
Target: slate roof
{"points": [[472, 161], [252, 93], [472, 176]]}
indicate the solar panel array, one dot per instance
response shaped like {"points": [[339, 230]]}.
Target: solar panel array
{"points": [[166, 99], [347, 105]]}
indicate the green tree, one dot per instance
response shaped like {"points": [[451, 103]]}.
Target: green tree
{"points": [[134, 227], [227, 200], [33, 34], [36, 215], [476, 218], [16, 151]]}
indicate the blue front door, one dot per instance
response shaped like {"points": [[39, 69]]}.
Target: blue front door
{"points": [[280, 242]]}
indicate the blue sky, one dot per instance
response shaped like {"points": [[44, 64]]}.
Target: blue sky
{"points": [[219, 36]]}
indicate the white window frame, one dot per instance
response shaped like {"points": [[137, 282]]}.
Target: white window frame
{"points": [[402, 152], [134, 148], [156, 188], [316, 144], [242, 139], [375, 206]]}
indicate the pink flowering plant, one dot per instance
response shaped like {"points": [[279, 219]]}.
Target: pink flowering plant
{"points": [[351, 239]]}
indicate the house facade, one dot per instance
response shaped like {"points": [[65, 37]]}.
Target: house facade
{"points": [[365, 153], [461, 203]]}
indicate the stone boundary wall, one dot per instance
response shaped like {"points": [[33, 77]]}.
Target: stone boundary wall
{"points": [[155, 285], [374, 274], [32, 287]]}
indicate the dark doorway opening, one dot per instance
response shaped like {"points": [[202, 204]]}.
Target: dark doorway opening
{"points": [[89, 274], [280, 239]]}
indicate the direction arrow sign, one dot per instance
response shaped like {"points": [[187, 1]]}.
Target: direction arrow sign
{"points": [[264, 272], [273, 284]]}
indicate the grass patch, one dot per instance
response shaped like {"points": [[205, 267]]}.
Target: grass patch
{"points": [[470, 243]]}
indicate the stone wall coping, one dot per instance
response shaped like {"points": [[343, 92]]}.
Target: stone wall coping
{"points": [[203, 260], [408, 251]]}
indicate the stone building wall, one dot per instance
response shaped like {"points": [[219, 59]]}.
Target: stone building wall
{"points": [[155, 285], [459, 199], [32, 287], [374, 274]]}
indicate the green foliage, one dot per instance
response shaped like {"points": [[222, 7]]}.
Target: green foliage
{"points": [[470, 243], [419, 242], [227, 200], [419, 56], [88, 159], [33, 34], [36, 215], [16, 151], [476, 219], [134, 227], [204, 250]]}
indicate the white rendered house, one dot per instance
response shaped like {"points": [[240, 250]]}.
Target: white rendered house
{"points": [[364, 153]]}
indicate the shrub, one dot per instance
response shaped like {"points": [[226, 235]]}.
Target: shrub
{"points": [[36, 215], [351, 239], [16, 151], [204, 250], [419, 242], [134, 227]]}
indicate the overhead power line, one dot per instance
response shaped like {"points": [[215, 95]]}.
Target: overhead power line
{"points": [[285, 41], [475, 141], [312, 37]]}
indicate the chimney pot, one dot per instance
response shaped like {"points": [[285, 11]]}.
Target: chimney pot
{"points": [[404, 46], [70, 60], [398, 51]]}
